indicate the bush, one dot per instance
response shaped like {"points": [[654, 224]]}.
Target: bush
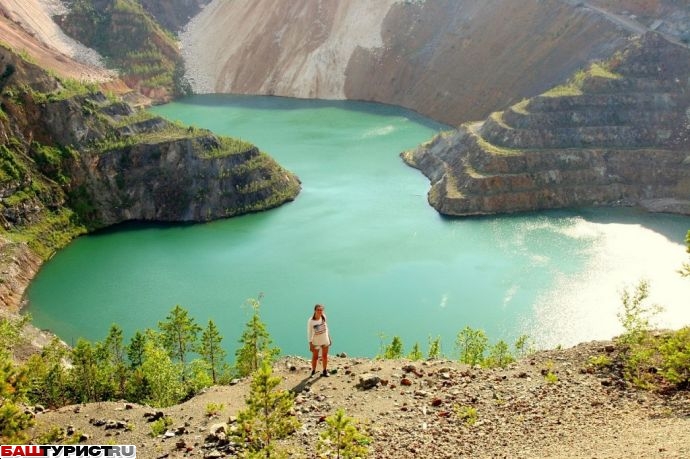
{"points": [[499, 355], [256, 343], [160, 426], [434, 351], [342, 438], [467, 414], [13, 420], [268, 415], [471, 345], [674, 351], [394, 350], [415, 353]]}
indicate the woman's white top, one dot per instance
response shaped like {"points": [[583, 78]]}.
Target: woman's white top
{"points": [[317, 332]]}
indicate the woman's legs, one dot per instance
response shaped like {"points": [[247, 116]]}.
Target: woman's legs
{"points": [[324, 358], [314, 358]]}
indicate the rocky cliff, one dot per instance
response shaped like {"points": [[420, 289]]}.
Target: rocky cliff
{"points": [[72, 160], [616, 134], [145, 55], [452, 60], [174, 14]]}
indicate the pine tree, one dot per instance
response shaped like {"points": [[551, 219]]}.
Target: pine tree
{"points": [[49, 380], [268, 415], [114, 350], [342, 439], [434, 348], [179, 333], [211, 350], [394, 350], [135, 350], [256, 344], [13, 420], [471, 344], [84, 372], [11, 333], [499, 355], [415, 353], [162, 375]]}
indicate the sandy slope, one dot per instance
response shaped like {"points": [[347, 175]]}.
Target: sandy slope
{"points": [[452, 60], [291, 48], [27, 25]]}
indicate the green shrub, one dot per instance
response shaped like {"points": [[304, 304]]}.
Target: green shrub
{"points": [[342, 438], [214, 409], [467, 414], [394, 350], [160, 426], [256, 343], [471, 345], [499, 355], [674, 351], [267, 417], [599, 361], [415, 353], [14, 422], [434, 351], [636, 314]]}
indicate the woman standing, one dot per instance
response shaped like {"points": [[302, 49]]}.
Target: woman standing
{"points": [[317, 334]]}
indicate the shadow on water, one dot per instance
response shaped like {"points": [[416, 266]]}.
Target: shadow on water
{"points": [[138, 225], [274, 103], [673, 227]]}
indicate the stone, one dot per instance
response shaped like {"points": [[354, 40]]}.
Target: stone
{"points": [[217, 428], [368, 381]]}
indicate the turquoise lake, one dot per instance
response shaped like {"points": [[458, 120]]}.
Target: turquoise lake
{"points": [[361, 239]]}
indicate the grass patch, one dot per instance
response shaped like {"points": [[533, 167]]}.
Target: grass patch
{"points": [[228, 146], [574, 85], [521, 107], [52, 232]]}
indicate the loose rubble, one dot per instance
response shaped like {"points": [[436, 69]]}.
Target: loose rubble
{"points": [[425, 409]]}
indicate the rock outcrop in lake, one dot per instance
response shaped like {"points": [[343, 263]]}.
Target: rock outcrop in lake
{"points": [[74, 160], [616, 134]]}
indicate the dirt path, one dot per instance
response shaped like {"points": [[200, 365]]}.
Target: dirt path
{"points": [[629, 24]]}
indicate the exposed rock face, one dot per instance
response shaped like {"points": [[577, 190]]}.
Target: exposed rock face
{"points": [[173, 181], [19, 266], [72, 159], [452, 60], [616, 136], [174, 14]]}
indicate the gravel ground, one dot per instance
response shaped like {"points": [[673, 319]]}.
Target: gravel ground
{"points": [[413, 411]]}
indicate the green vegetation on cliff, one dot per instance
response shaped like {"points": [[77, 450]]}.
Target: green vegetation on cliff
{"points": [[75, 160], [132, 41]]}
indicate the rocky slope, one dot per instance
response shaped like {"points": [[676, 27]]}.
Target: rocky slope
{"points": [[27, 25], [174, 14], [145, 55], [419, 410], [616, 134], [72, 160], [451, 60]]}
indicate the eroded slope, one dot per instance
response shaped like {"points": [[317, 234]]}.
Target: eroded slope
{"points": [[617, 134], [452, 60]]}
